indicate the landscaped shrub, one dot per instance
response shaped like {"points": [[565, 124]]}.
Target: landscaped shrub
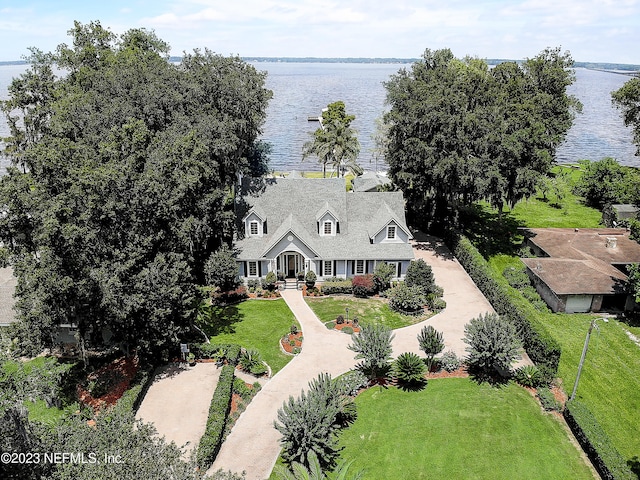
{"points": [[409, 368], [251, 361], [363, 285], [240, 387], [431, 343], [217, 351], [221, 269], [310, 279], [528, 376], [548, 400], [543, 349], [312, 421], [450, 361], [347, 330], [339, 320], [270, 281], [210, 442], [335, 287], [435, 304], [253, 284], [407, 300], [382, 276], [596, 443], [493, 346], [351, 382], [419, 274], [373, 345]]}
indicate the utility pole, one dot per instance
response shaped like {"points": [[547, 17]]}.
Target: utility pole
{"points": [[584, 354]]}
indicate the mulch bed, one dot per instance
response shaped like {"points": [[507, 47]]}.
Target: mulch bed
{"points": [[340, 326], [117, 375], [296, 337], [459, 373]]}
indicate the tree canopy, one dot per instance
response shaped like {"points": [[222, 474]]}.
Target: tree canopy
{"points": [[121, 184], [627, 99], [335, 142], [460, 132]]}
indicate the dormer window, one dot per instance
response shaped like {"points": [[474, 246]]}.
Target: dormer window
{"points": [[253, 228], [391, 232], [328, 228]]}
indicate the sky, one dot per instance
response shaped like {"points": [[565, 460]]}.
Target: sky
{"points": [[592, 30]]}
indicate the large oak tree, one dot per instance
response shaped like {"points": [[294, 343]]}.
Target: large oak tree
{"points": [[121, 183], [460, 131]]}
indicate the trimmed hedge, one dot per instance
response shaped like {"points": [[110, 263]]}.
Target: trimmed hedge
{"points": [[211, 441], [595, 443], [541, 347], [338, 286], [132, 398], [363, 285]]}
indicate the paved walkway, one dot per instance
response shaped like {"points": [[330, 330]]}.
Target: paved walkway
{"points": [[253, 444], [177, 402]]}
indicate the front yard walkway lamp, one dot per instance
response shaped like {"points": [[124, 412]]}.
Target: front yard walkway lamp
{"points": [[347, 310], [584, 354]]}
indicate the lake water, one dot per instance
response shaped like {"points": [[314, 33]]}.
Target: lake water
{"points": [[301, 90]]}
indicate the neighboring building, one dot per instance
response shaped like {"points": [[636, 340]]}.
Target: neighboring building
{"points": [[581, 270], [292, 225], [370, 182]]}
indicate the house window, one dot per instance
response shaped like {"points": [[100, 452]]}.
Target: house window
{"points": [[253, 269], [328, 228], [253, 228], [359, 267], [327, 268], [391, 232]]}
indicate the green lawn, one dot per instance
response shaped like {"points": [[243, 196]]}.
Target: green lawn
{"points": [[610, 380], [456, 428], [368, 310], [257, 324]]}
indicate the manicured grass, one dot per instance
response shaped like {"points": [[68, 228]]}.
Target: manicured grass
{"points": [[610, 381], [368, 310], [455, 428], [257, 324]]}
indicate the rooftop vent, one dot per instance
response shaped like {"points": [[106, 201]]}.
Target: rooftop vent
{"points": [[612, 242]]}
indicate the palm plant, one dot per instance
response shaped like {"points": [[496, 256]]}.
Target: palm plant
{"points": [[431, 343], [335, 143]]}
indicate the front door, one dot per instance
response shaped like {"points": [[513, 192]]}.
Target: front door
{"points": [[291, 266]]}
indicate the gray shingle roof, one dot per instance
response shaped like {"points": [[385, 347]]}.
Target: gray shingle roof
{"points": [[293, 204]]}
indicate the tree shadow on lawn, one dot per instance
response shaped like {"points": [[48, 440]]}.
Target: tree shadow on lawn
{"points": [[222, 320], [495, 378], [413, 386], [490, 233]]}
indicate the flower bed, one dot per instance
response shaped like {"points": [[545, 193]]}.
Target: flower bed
{"points": [[292, 343]]}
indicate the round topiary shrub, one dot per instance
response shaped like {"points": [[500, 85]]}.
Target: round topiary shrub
{"points": [[310, 279], [405, 299], [270, 281]]}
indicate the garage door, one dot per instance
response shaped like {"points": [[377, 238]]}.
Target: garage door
{"points": [[578, 303]]}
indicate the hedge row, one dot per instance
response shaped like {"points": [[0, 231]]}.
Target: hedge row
{"points": [[595, 443], [132, 398], [541, 347], [218, 411], [336, 287]]}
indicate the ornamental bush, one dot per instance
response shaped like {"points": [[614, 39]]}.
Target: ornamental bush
{"points": [[548, 400], [382, 276], [419, 274], [528, 376], [431, 343], [270, 281], [363, 285], [409, 368], [450, 361], [335, 287], [373, 346], [405, 299], [493, 346]]}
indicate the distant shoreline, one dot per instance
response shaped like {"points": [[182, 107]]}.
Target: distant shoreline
{"points": [[622, 68]]}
